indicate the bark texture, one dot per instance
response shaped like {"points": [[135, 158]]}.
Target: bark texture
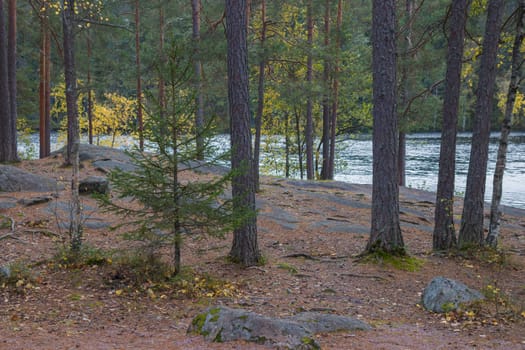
{"points": [[7, 124], [472, 232], [309, 131], [515, 78], [245, 248], [45, 85], [68, 18], [260, 99], [444, 235], [199, 99], [385, 232]]}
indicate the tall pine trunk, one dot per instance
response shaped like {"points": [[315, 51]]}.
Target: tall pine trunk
{"points": [[7, 137], [140, 120], [472, 231], [260, 100], [75, 229], [245, 248], [309, 130], [11, 63], [90, 90], [515, 78], [335, 102], [385, 233], [325, 171], [199, 112], [444, 235], [45, 85]]}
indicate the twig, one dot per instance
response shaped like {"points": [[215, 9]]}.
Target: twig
{"points": [[301, 255], [46, 233], [364, 276], [12, 235]]}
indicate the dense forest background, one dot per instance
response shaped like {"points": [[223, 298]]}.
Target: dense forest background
{"points": [[107, 65]]}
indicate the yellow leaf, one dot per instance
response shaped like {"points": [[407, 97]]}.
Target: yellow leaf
{"points": [[523, 314], [151, 294], [118, 292]]}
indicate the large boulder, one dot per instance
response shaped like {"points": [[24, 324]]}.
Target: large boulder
{"points": [[220, 323], [443, 295], [13, 179]]}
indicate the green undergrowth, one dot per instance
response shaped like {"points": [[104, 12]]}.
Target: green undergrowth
{"points": [[402, 261], [18, 276]]}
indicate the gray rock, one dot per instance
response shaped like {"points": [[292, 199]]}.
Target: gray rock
{"points": [[7, 205], [35, 200], [13, 179], [5, 272], [107, 165], [318, 322], [443, 295], [221, 323], [94, 152], [94, 184]]}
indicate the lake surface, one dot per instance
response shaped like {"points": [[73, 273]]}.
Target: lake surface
{"points": [[422, 164], [354, 162]]}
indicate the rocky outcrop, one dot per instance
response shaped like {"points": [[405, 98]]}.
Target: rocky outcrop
{"points": [[443, 295], [220, 324], [13, 179]]}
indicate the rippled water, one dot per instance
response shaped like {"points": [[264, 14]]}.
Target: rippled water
{"points": [[354, 162], [423, 162]]}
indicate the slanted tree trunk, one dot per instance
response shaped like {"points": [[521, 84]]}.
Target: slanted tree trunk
{"points": [[260, 100], [471, 232], [199, 112], [325, 171], [444, 235], [309, 130], [515, 78], [140, 120], [245, 248], [385, 234], [75, 229]]}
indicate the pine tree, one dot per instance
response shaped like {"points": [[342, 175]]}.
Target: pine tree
{"points": [[172, 207]]}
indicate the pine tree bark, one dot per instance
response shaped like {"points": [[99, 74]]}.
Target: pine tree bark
{"points": [[444, 235], [68, 17], [45, 85], [11, 62], [199, 113], [140, 120], [309, 130], [335, 102], [8, 145], [385, 234], [472, 231], [515, 78], [90, 90], [245, 248], [325, 171], [260, 100]]}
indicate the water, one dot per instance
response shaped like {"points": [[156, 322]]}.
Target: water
{"points": [[354, 161], [422, 164]]}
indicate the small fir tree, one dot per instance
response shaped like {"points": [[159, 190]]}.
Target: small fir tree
{"points": [[173, 202]]}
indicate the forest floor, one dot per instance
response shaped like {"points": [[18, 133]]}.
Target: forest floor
{"points": [[310, 234]]}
